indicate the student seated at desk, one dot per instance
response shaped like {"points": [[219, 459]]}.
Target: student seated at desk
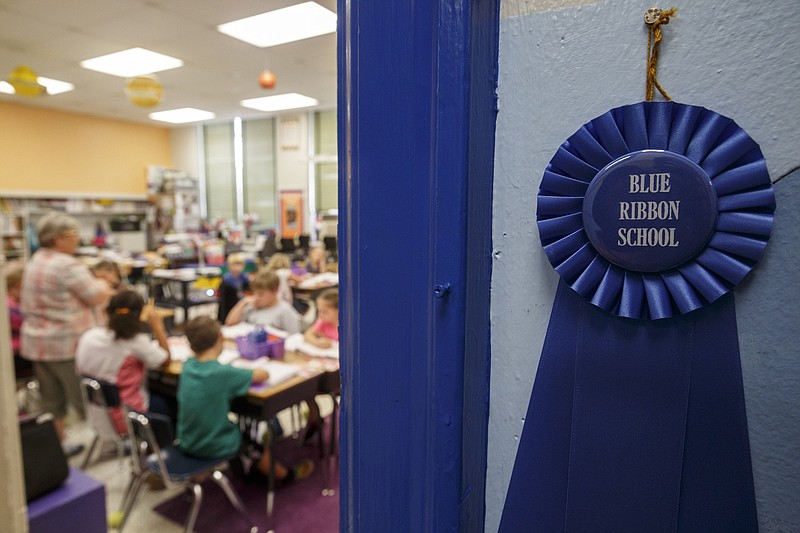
{"points": [[282, 266], [233, 285], [109, 271], [315, 262], [13, 274], [205, 391], [121, 352], [264, 307], [326, 328]]}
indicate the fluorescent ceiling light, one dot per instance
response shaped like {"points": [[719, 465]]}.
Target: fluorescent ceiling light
{"points": [[285, 25], [52, 86], [131, 62], [279, 102], [182, 115], [55, 86]]}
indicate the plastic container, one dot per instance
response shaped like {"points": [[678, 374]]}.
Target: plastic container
{"points": [[258, 344], [276, 347]]}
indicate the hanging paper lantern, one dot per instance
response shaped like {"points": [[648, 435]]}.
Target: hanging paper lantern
{"points": [[25, 82], [267, 79], [144, 91]]}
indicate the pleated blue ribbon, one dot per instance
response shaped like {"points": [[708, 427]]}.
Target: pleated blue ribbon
{"points": [[636, 422]]}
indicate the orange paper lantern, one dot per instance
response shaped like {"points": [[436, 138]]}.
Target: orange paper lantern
{"points": [[25, 82], [144, 91], [267, 79]]}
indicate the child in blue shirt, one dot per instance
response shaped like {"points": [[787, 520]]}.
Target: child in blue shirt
{"points": [[234, 283]]}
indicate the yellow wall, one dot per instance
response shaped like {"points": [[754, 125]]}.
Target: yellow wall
{"points": [[51, 151]]}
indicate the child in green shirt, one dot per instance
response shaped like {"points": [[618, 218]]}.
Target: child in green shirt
{"points": [[205, 391]]}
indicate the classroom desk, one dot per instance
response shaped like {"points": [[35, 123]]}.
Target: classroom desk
{"points": [[309, 289], [312, 290], [260, 403], [164, 283]]}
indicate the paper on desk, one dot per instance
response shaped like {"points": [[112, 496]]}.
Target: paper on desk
{"points": [[278, 370], [326, 278], [243, 328], [228, 356], [297, 343], [179, 349]]}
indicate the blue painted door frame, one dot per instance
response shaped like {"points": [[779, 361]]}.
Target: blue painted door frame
{"points": [[416, 114]]}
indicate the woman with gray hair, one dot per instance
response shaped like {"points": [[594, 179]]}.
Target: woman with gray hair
{"points": [[58, 294]]}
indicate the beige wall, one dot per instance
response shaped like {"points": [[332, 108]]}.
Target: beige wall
{"points": [[44, 151]]}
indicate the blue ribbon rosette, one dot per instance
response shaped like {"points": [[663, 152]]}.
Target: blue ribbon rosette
{"points": [[651, 213]]}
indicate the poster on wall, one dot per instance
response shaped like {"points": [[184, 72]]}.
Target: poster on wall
{"points": [[291, 214]]}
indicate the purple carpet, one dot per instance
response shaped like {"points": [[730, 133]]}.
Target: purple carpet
{"points": [[299, 507]]}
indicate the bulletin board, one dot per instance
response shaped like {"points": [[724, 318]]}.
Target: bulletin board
{"points": [[291, 214]]}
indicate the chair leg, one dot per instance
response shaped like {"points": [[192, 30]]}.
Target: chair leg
{"points": [[197, 492], [131, 493], [222, 480], [332, 452], [89, 452], [120, 454]]}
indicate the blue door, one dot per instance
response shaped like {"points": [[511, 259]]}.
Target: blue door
{"points": [[416, 147]]}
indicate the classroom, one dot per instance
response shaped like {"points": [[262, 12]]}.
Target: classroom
{"points": [[177, 218]]}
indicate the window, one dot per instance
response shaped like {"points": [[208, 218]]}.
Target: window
{"points": [[326, 167], [257, 184], [258, 138], [220, 175]]}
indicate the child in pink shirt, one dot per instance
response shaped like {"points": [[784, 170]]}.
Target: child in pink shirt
{"points": [[326, 329], [13, 274]]}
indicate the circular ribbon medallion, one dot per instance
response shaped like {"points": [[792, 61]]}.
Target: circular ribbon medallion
{"points": [[649, 210], [655, 209]]}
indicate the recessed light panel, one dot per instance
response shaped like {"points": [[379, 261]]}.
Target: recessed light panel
{"points": [[285, 25], [182, 115], [52, 86], [55, 86], [280, 102], [131, 62]]}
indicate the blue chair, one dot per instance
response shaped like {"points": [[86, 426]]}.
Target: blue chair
{"points": [[153, 452]]}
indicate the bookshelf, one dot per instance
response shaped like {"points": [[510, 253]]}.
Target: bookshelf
{"points": [[125, 219], [12, 231]]}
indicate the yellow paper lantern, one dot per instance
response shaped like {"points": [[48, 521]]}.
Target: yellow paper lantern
{"points": [[144, 91], [25, 82]]}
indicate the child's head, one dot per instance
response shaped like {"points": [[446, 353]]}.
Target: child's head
{"points": [[278, 261], [203, 334], [316, 253], [265, 288], [236, 263], [109, 271], [124, 310], [328, 306], [13, 274]]}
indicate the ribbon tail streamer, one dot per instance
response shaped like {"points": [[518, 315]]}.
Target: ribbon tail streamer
{"points": [[634, 426]]}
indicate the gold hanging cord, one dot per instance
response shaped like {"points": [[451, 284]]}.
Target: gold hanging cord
{"points": [[655, 18]]}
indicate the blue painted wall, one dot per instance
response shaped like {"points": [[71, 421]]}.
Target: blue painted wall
{"points": [[563, 67]]}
